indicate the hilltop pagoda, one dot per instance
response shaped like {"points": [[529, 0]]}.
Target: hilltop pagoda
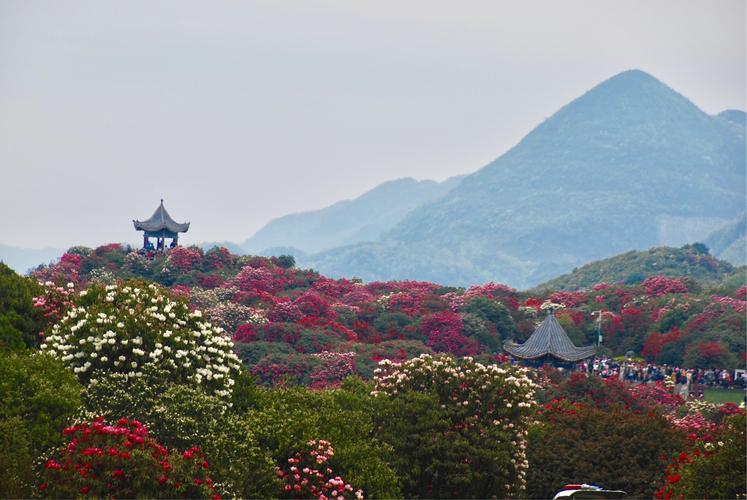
{"points": [[160, 226], [549, 344]]}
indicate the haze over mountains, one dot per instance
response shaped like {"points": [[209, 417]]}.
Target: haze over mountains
{"points": [[629, 165], [365, 218]]}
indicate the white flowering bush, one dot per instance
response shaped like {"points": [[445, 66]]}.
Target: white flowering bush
{"points": [[137, 329], [483, 413]]}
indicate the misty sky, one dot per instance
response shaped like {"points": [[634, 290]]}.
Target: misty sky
{"points": [[239, 112]]}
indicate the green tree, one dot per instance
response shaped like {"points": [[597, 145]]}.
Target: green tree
{"points": [[287, 419], [38, 397], [613, 447], [493, 312], [20, 321]]}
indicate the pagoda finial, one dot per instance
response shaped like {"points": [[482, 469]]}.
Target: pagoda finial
{"points": [[161, 201]]}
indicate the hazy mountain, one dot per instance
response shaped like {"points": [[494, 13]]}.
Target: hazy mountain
{"points": [[635, 266], [21, 260], [630, 164], [351, 221], [729, 242], [232, 247]]}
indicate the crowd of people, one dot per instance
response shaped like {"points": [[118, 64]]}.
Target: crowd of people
{"points": [[688, 381]]}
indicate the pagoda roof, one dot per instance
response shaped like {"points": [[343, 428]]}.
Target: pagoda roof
{"points": [[160, 221], [549, 339]]}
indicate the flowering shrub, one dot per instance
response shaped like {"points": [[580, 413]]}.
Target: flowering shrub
{"points": [[615, 447], [122, 460], [335, 367], [132, 328], [486, 411], [229, 315], [661, 285], [443, 332], [184, 258], [713, 469], [308, 475]]}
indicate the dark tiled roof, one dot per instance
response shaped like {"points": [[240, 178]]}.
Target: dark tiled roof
{"points": [[549, 339], [159, 221]]}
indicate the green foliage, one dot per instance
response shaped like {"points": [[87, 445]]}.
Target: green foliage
{"points": [[457, 426], [634, 267], [180, 416], [20, 321], [613, 447], [493, 312], [434, 458], [38, 396], [286, 419], [392, 322], [16, 457]]}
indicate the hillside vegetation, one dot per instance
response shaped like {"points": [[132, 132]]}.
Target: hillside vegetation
{"points": [[691, 261], [297, 325]]}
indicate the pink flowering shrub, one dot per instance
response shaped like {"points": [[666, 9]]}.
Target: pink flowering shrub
{"points": [[122, 460], [184, 258], [334, 368], [308, 475], [661, 285], [55, 302]]}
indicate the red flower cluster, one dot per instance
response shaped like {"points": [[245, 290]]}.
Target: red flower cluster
{"points": [[122, 460], [661, 285]]}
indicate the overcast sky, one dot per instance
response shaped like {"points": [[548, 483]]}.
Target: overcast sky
{"points": [[239, 112]]}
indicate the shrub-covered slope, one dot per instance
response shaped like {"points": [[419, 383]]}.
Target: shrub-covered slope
{"points": [[296, 325], [633, 267]]}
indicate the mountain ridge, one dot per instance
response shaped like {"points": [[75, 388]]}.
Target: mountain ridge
{"points": [[363, 218], [628, 165]]}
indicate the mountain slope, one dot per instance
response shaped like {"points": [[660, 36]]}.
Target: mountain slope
{"points": [[633, 267], [351, 221], [730, 242], [629, 165]]}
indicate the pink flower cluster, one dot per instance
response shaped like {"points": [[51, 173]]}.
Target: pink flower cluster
{"points": [[308, 475]]}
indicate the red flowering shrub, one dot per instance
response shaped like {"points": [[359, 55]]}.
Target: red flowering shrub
{"points": [[218, 258], [568, 299], [184, 258], [657, 341], [121, 460], [245, 333], [661, 285], [313, 304], [444, 332]]}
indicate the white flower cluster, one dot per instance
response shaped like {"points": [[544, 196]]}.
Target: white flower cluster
{"points": [[130, 329], [492, 394]]}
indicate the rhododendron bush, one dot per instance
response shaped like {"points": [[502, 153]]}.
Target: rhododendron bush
{"points": [[308, 474], [480, 418], [714, 468], [139, 330], [122, 460], [614, 447]]}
